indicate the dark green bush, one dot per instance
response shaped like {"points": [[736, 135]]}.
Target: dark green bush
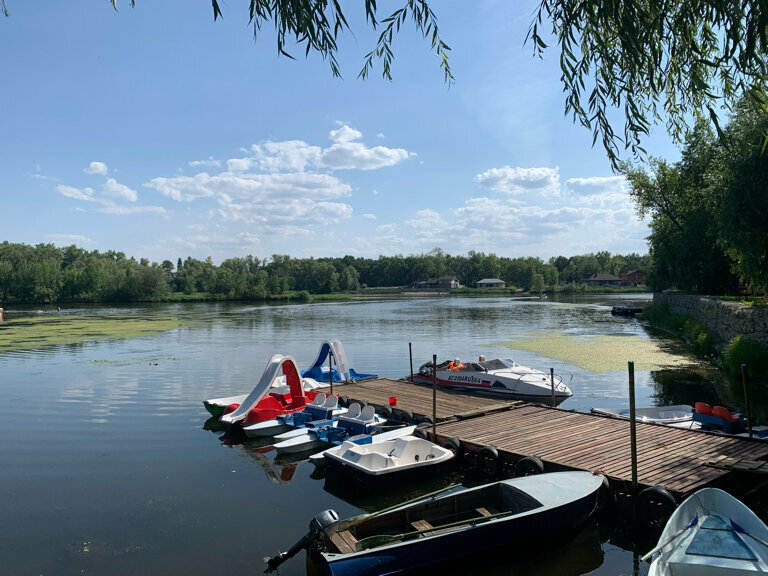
{"points": [[740, 351]]}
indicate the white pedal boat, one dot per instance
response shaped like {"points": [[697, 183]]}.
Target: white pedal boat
{"points": [[355, 422], [321, 408], [405, 454]]}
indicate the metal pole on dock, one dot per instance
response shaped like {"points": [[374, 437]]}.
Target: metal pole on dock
{"points": [[632, 423], [552, 382], [410, 358], [746, 397], [434, 397], [330, 369]]}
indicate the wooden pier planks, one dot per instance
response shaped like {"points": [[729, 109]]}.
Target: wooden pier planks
{"points": [[675, 458], [417, 398]]}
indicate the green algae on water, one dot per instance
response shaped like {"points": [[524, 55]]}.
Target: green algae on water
{"points": [[603, 353], [38, 332]]}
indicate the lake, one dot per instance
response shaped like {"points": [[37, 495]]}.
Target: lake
{"points": [[106, 467]]}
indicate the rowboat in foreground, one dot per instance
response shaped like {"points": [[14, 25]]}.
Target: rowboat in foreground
{"points": [[678, 416], [450, 525], [711, 533], [499, 377]]}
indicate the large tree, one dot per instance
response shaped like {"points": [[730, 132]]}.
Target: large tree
{"points": [[654, 61]]}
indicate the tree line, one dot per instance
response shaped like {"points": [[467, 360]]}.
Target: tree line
{"points": [[48, 274], [708, 211]]}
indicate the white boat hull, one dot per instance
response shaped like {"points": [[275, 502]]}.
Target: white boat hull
{"points": [[711, 534]]}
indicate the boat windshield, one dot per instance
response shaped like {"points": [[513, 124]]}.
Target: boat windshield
{"points": [[498, 364]]}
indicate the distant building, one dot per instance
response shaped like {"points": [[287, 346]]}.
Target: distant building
{"points": [[633, 278], [603, 280], [491, 283], [442, 284]]}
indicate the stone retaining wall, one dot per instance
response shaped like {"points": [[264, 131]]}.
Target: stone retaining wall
{"points": [[724, 320]]}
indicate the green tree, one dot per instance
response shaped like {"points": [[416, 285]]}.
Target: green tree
{"points": [[738, 198]]}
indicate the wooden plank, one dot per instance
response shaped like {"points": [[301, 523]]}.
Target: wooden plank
{"points": [[343, 541]]}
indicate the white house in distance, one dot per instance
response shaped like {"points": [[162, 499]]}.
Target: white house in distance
{"points": [[491, 283]]}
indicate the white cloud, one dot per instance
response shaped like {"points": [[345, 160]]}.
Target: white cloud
{"points": [[345, 134], [516, 181], [69, 239], [210, 163], [76, 193], [370, 216], [114, 189], [96, 168]]}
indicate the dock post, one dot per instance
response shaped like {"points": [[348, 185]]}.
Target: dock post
{"points": [[746, 397], [410, 358], [632, 424], [330, 369], [434, 397], [552, 383]]}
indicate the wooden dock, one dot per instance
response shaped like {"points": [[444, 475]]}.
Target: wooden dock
{"points": [[680, 460], [417, 399]]}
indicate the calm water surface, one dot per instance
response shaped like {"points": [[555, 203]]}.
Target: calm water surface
{"points": [[106, 468]]}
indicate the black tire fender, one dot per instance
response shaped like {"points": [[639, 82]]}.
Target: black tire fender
{"points": [[421, 433], [528, 466], [488, 461], [343, 401], [653, 507], [453, 444], [406, 416], [385, 412], [424, 420]]}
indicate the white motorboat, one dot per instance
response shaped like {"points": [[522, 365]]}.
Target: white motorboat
{"points": [[498, 377], [321, 408], [404, 456], [711, 533], [678, 416], [356, 422]]}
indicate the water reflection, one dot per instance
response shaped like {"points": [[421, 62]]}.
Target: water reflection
{"points": [[109, 461]]}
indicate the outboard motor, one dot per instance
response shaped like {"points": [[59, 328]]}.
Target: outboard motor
{"points": [[317, 526], [323, 520]]}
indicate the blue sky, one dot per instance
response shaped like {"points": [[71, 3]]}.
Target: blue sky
{"points": [[157, 132]]}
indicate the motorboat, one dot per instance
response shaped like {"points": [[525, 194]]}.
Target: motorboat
{"points": [[322, 407], [678, 416], [377, 465], [627, 309], [711, 534], [356, 422], [516, 511], [501, 377]]}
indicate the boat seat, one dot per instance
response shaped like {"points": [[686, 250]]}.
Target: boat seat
{"points": [[724, 413], [368, 414], [353, 412], [319, 400], [421, 525], [702, 408], [331, 402], [486, 512], [344, 541]]}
